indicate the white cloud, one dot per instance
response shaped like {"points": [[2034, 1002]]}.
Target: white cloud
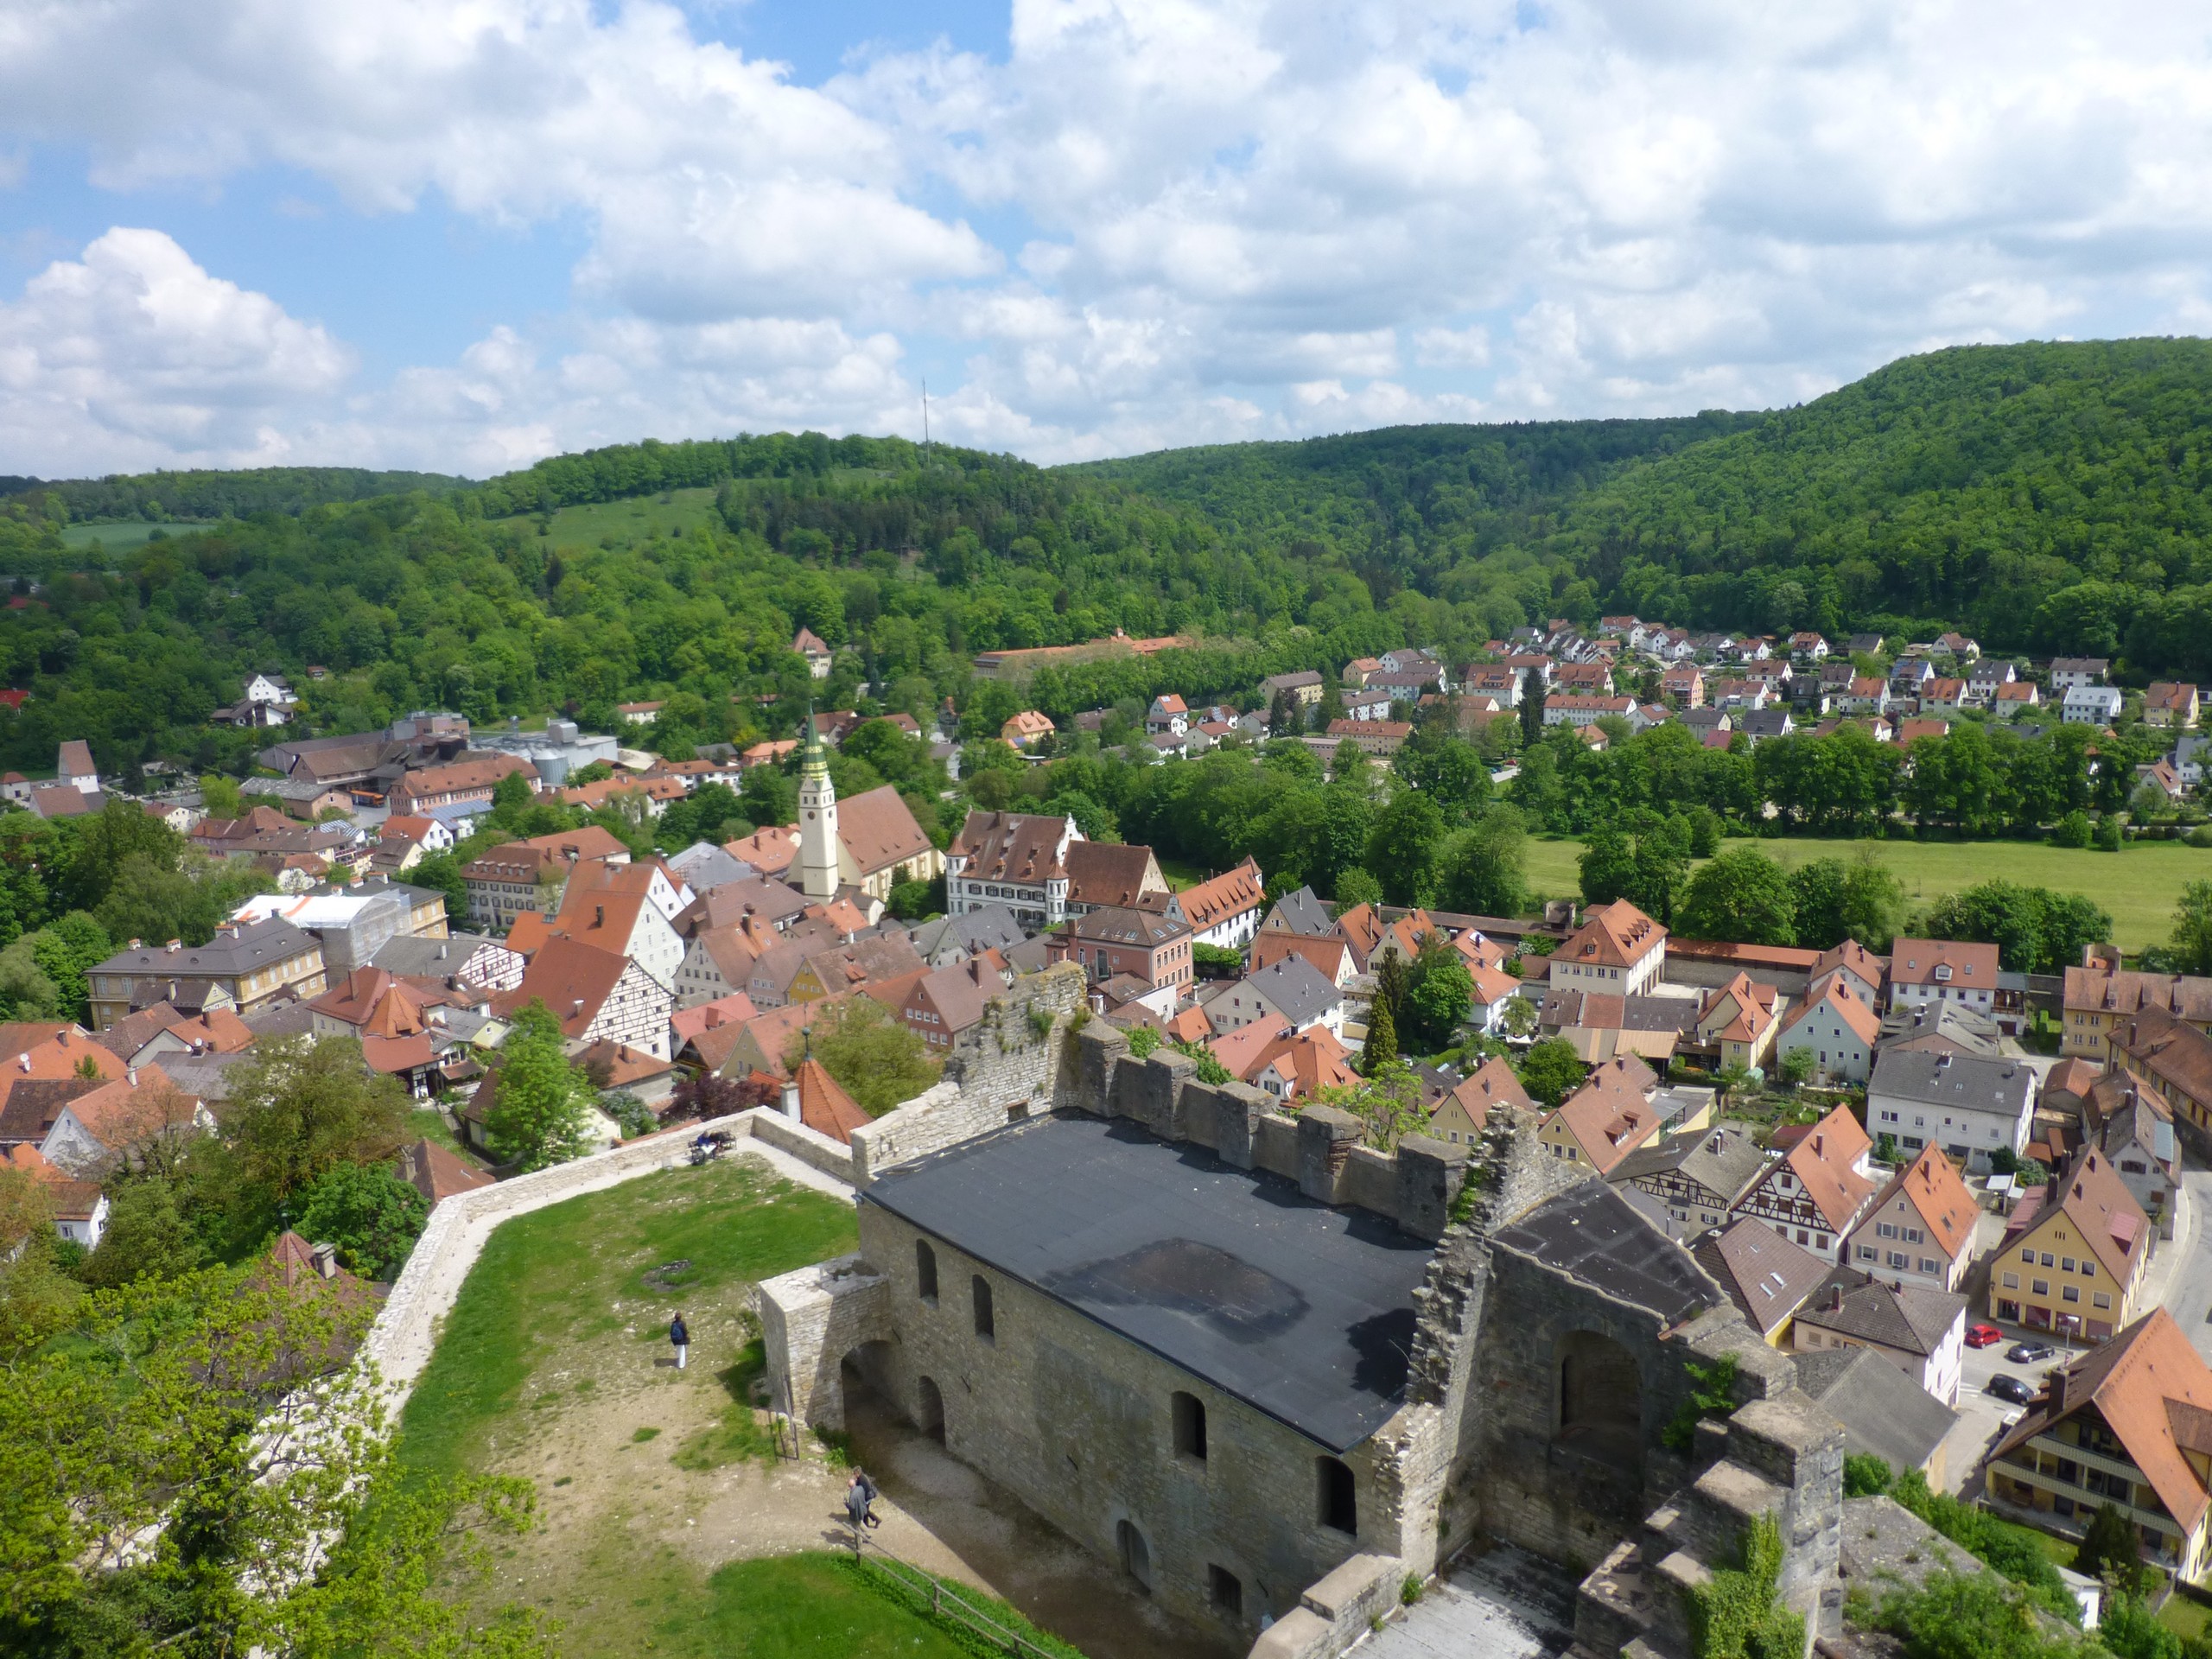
{"points": [[135, 353], [1156, 221]]}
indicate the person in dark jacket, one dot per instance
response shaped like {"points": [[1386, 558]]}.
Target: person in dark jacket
{"points": [[680, 1334], [868, 1495], [856, 1505]]}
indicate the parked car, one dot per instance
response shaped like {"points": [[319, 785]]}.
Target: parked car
{"points": [[2031, 1353], [1983, 1336], [2006, 1386]]}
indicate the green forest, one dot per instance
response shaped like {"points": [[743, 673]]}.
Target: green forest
{"points": [[2045, 498]]}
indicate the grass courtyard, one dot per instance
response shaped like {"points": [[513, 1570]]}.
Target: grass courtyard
{"points": [[2139, 885], [667, 1526]]}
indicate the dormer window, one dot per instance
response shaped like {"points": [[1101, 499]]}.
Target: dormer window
{"points": [[1942, 973]]}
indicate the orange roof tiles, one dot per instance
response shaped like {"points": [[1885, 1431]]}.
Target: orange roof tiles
{"points": [[1617, 935]]}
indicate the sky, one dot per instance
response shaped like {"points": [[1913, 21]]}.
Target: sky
{"points": [[459, 235]]}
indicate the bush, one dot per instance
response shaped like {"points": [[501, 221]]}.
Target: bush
{"points": [[1866, 1474], [2107, 839], [2072, 830], [2013, 1552]]}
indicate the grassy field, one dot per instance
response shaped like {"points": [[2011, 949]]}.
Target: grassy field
{"points": [[627, 521], [550, 1354], [2138, 885], [120, 537]]}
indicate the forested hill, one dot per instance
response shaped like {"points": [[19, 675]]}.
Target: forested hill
{"points": [[2047, 498], [210, 495], [1407, 503]]}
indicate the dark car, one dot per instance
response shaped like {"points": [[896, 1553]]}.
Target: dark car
{"points": [[2029, 1353], [2011, 1389], [1983, 1336]]}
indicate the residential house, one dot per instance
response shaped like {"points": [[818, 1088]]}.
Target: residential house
{"points": [[1460, 1118], [1290, 995], [1363, 702], [1168, 714], [1940, 1028], [79, 1208], [1686, 1185], [1864, 695], [596, 995], [1607, 1118], [1836, 1028], [1378, 738], [1291, 1065], [1858, 970], [438, 1174], [1303, 687], [471, 958], [1814, 1195], [1148, 944], [2130, 1424], [1617, 951], [1944, 971], [1224, 910], [1104, 873], [1986, 677], [1493, 680], [2133, 1125], [819, 659], [1683, 686], [2091, 705], [949, 939], [1944, 696], [73, 768], [1026, 728], [1920, 1332], [2102, 994], [1884, 1413], [625, 922], [1018, 860], [2170, 703], [1495, 991], [2015, 697], [1808, 648], [2070, 673], [1598, 1025], [1767, 1277], [2074, 1256], [836, 969], [939, 1004], [1969, 1107], [2174, 1056], [251, 966], [529, 874], [112, 1124], [1737, 1023], [1581, 708], [1919, 1230]]}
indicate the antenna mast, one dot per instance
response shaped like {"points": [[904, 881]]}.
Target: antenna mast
{"points": [[926, 424]]}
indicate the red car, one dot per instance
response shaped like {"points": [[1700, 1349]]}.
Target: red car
{"points": [[1982, 1335]]}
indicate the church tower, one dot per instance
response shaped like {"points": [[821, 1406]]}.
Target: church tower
{"points": [[817, 820]]}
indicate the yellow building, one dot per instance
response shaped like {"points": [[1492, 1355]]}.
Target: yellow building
{"points": [[2074, 1263]]}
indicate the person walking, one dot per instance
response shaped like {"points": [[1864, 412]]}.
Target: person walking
{"points": [[868, 1495], [680, 1334], [856, 1497]]}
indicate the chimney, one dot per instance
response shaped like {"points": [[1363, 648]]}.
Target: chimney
{"points": [[1835, 1299], [1943, 1062], [136, 944], [24, 1060], [173, 944], [576, 1007], [790, 1098], [130, 1076], [325, 1258]]}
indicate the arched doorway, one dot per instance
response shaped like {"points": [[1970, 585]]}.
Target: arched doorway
{"points": [[929, 1409], [864, 1381], [1600, 1401], [1136, 1555]]}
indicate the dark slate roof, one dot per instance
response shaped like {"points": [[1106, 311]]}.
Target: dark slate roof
{"points": [[1303, 913], [1912, 1320], [988, 927], [1882, 1410], [1303, 1310], [231, 951], [1722, 1161], [1595, 1236], [405, 954], [1299, 991], [1964, 1080], [705, 867]]}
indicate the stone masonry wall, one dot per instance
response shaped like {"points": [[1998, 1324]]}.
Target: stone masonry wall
{"points": [[1078, 1422], [1002, 1069]]}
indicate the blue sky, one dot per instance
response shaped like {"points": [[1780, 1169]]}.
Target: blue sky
{"points": [[462, 234]]}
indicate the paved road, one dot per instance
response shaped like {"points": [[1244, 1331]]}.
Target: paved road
{"points": [[2185, 1261]]}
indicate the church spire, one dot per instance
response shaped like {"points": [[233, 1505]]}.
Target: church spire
{"points": [[817, 818]]}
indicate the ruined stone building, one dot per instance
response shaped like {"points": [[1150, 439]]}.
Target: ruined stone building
{"points": [[1269, 1372]]}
